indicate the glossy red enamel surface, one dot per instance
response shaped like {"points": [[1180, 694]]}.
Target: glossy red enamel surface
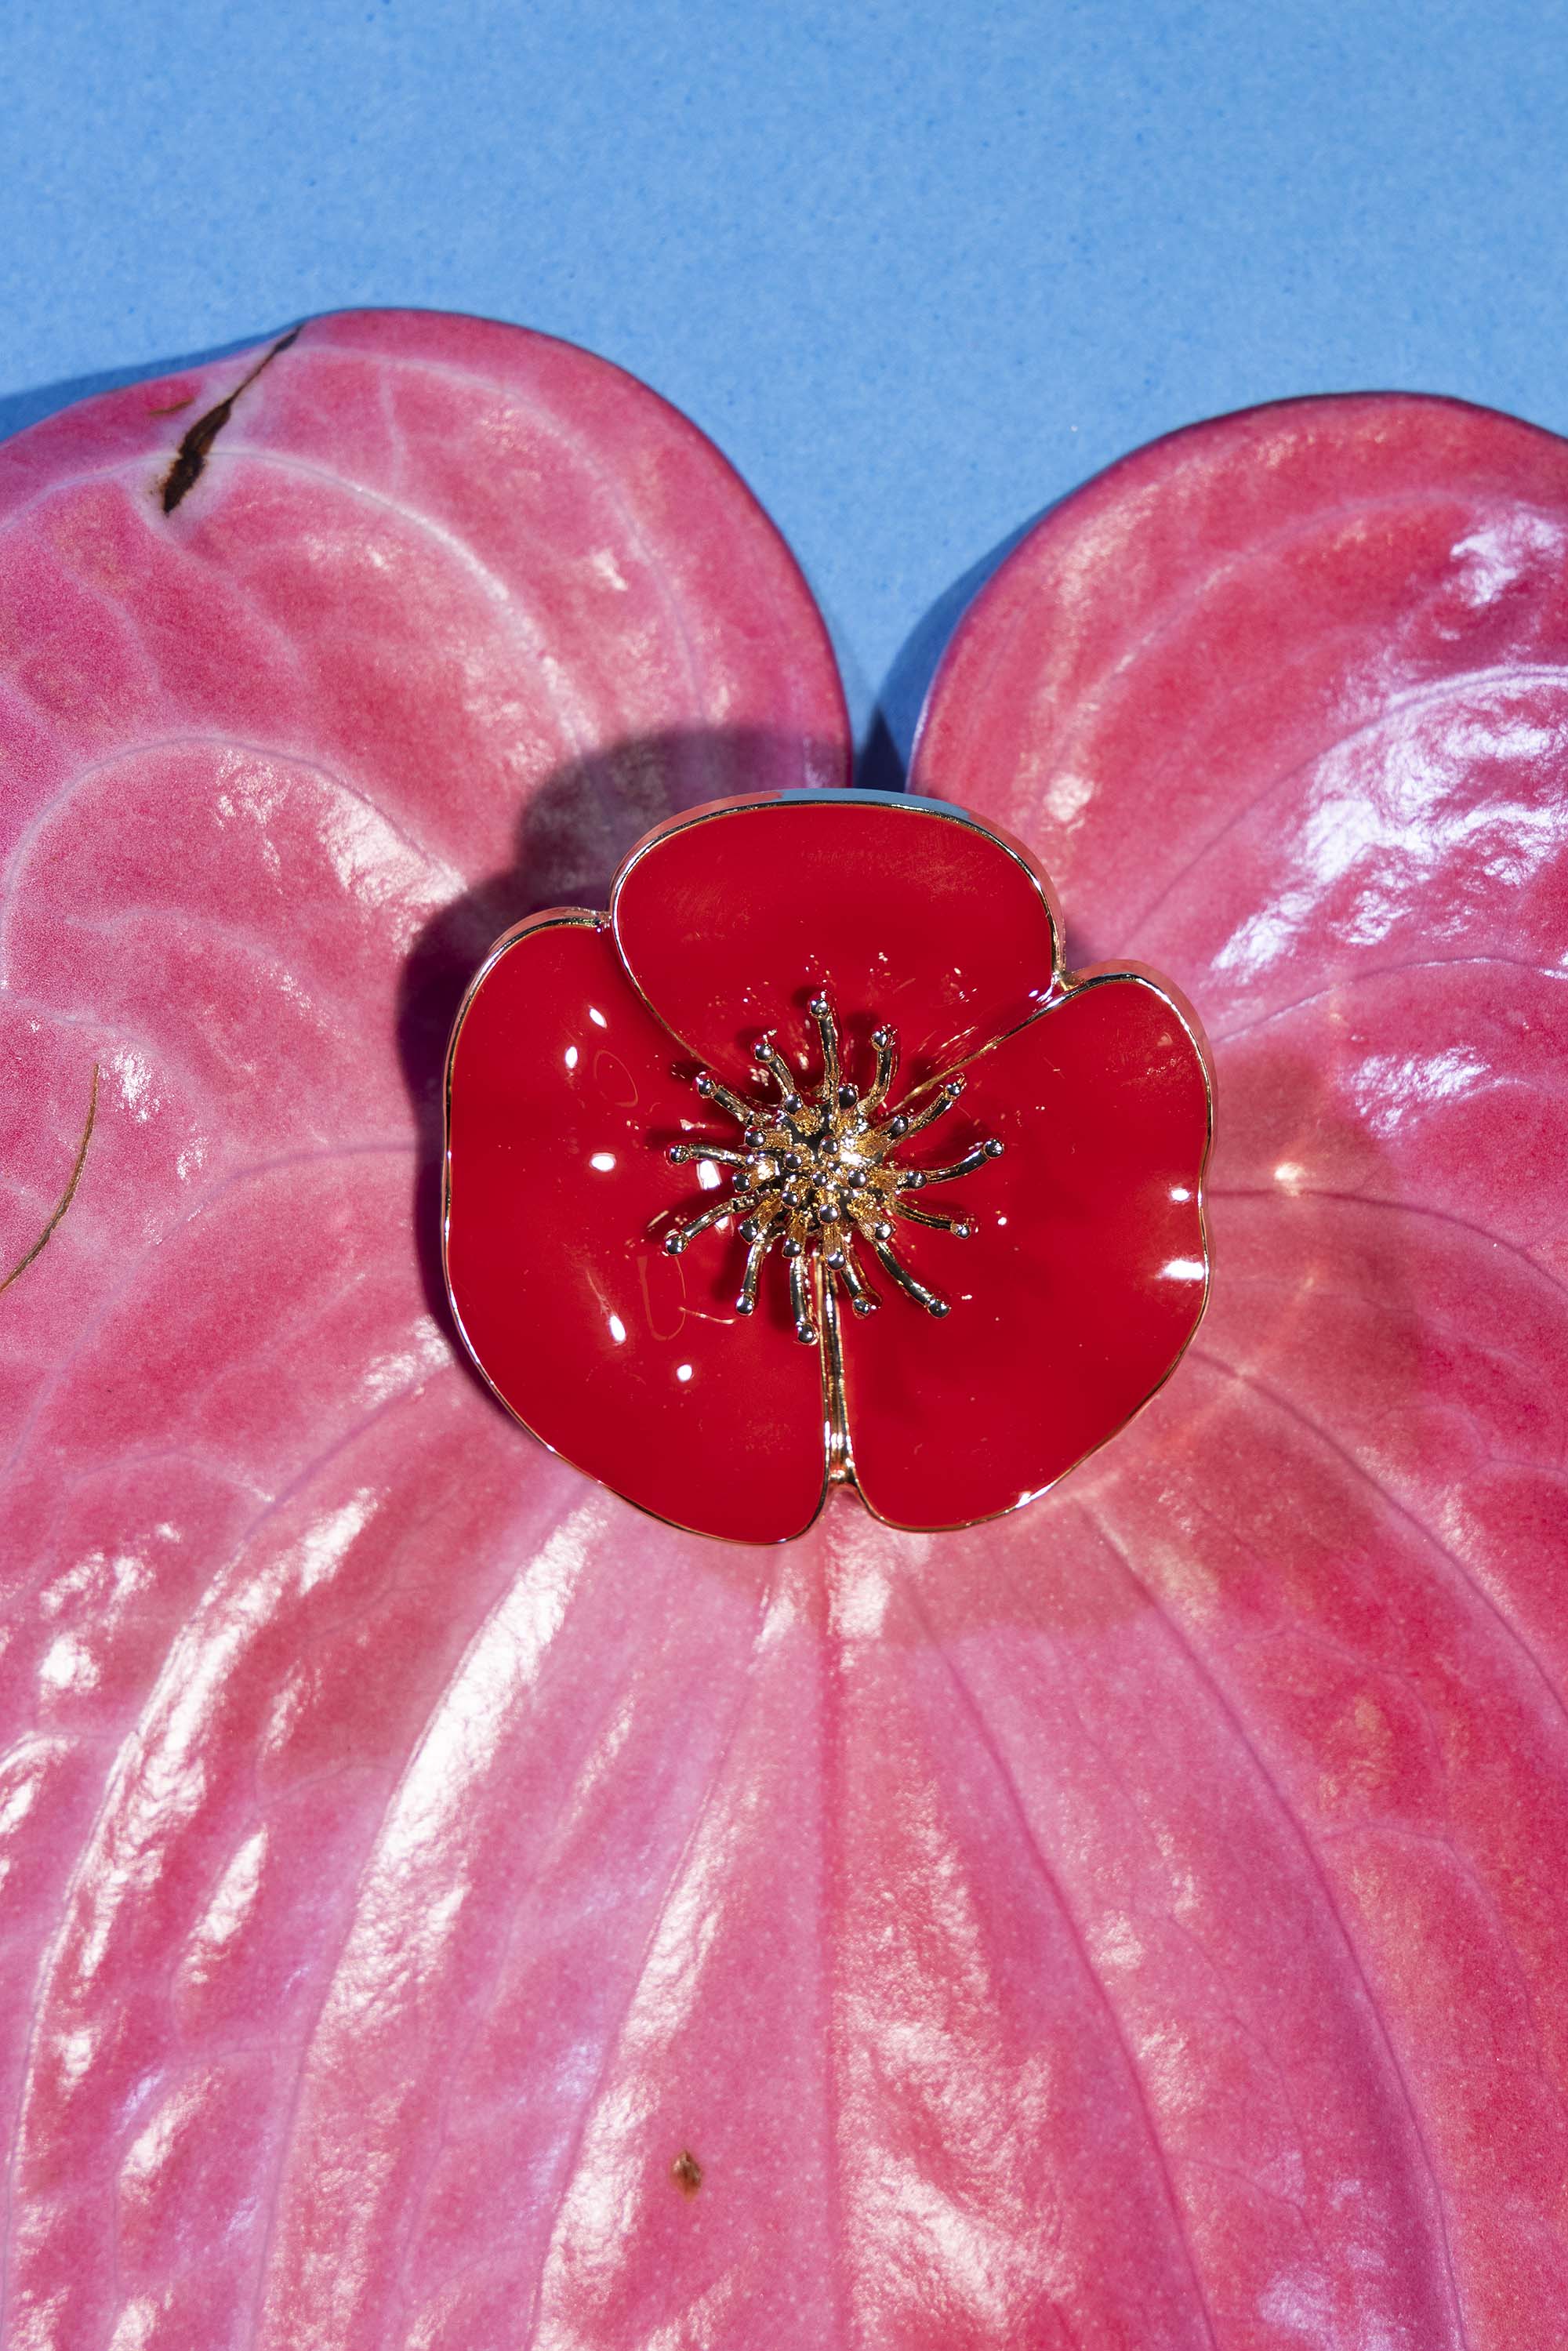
{"points": [[564, 1098], [1082, 1283], [729, 922]]}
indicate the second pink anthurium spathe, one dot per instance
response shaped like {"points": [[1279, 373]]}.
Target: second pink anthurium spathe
{"points": [[808, 1165]]}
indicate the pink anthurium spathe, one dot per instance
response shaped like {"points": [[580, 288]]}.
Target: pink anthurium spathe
{"points": [[445, 1908]]}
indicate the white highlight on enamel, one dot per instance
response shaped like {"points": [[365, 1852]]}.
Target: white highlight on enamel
{"points": [[1180, 1192], [572, 1057], [682, 1372], [1182, 1268], [618, 1330], [597, 1017], [603, 1160]]}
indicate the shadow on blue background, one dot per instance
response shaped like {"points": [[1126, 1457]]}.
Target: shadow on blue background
{"points": [[20, 409], [882, 761]]}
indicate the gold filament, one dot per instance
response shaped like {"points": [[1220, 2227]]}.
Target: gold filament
{"points": [[817, 1177]]}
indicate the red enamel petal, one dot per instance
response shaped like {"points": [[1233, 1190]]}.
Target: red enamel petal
{"points": [[563, 1102], [1293, 693], [1084, 1278], [729, 922]]}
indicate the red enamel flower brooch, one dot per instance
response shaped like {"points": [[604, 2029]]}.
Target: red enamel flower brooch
{"points": [[809, 1164]]}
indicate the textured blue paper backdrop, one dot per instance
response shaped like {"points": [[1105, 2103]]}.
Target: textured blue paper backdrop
{"points": [[918, 269]]}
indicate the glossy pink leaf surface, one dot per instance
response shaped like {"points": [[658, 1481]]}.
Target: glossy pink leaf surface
{"points": [[1135, 1923], [1282, 704]]}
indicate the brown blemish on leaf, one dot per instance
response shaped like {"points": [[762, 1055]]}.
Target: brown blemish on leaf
{"points": [[66, 1196], [190, 456], [172, 407], [686, 2172]]}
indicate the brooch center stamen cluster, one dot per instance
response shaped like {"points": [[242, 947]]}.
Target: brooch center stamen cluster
{"points": [[818, 1176]]}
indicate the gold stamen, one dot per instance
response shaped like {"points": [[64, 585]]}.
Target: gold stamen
{"points": [[899, 1129], [840, 1454], [976, 1157], [817, 1176], [801, 1301], [762, 1242], [907, 1282], [683, 1153], [765, 1051], [676, 1239], [761, 1212], [713, 1089], [935, 1219], [821, 1013], [885, 1040], [862, 1297]]}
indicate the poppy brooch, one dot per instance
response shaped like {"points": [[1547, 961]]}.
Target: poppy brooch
{"points": [[808, 1165]]}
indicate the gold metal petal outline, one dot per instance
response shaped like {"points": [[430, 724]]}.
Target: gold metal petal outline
{"points": [[573, 918]]}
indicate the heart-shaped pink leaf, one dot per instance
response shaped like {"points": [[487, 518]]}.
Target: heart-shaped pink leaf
{"points": [[1282, 704], [443, 1908]]}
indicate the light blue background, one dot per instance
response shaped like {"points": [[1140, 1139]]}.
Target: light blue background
{"points": [[918, 269]]}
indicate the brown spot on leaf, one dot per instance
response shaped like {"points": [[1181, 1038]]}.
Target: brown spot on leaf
{"points": [[686, 2172], [66, 1196], [190, 456]]}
